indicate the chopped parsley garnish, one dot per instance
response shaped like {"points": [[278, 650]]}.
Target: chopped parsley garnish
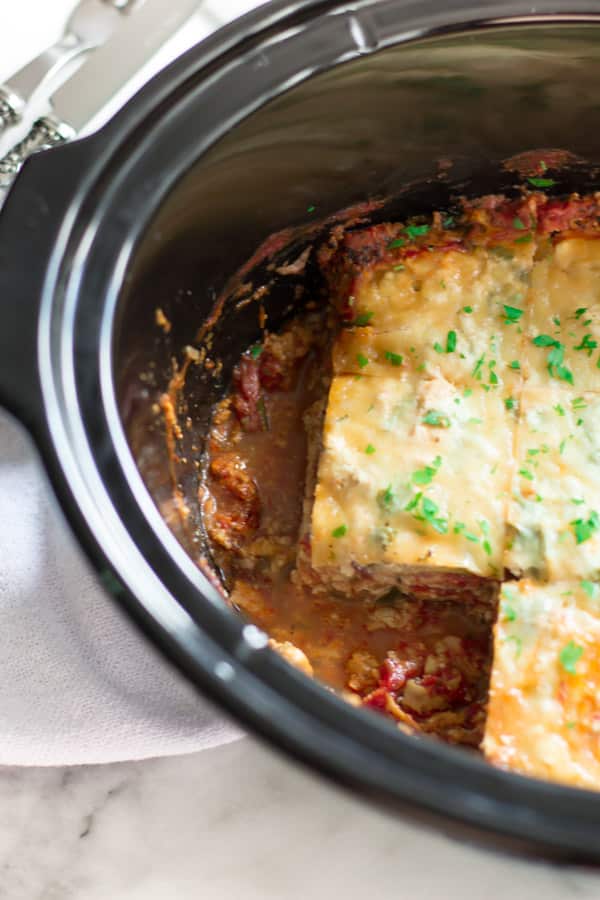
{"points": [[448, 222], [437, 419], [398, 242], [526, 474], [414, 231], [569, 656], [369, 449], [387, 499], [427, 473], [311, 209], [363, 319], [555, 357], [559, 409], [509, 612], [544, 340], [438, 347], [451, 342], [556, 320], [468, 309], [430, 513], [476, 373], [461, 528], [515, 364], [578, 403], [541, 182], [524, 239], [577, 501], [394, 358], [340, 531], [579, 312], [512, 313], [583, 529], [509, 403], [256, 351], [487, 547], [474, 421], [412, 504], [587, 344], [590, 589], [399, 268], [467, 392], [519, 224], [362, 360]]}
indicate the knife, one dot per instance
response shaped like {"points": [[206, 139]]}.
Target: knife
{"points": [[103, 76]]}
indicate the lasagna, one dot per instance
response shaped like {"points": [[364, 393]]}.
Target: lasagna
{"points": [[420, 458]]}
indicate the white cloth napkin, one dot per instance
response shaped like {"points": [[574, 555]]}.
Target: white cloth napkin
{"points": [[78, 682]]}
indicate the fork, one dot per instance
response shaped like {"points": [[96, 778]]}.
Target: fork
{"points": [[89, 26]]}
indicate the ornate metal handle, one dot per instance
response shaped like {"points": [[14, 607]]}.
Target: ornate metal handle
{"points": [[11, 108], [45, 133]]}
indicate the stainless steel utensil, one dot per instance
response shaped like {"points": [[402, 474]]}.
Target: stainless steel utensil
{"points": [[91, 23], [102, 76]]}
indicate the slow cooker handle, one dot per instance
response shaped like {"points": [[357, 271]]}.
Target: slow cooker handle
{"points": [[30, 225]]}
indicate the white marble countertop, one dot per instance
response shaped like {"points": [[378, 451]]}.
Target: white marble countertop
{"points": [[237, 821]]}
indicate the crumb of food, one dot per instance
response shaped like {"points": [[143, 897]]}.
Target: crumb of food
{"points": [[293, 655], [161, 320]]}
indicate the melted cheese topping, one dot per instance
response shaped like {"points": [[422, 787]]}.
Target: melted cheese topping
{"points": [[543, 714], [412, 472], [564, 306], [555, 495], [444, 314]]}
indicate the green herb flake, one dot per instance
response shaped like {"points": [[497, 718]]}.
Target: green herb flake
{"points": [[394, 358], [556, 320], [467, 392], [569, 656], [438, 347], [369, 449], [399, 268], [544, 340], [578, 501], [519, 224], [476, 373], [468, 310], [398, 242], [587, 344], [256, 351], [340, 531], [310, 209], [362, 360], [451, 342], [590, 589], [509, 612], [559, 409], [538, 182], [509, 402], [363, 319], [515, 364], [487, 547], [526, 474], [512, 313], [386, 499], [414, 231], [579, 403], [584, 529], [448, 222], [524, 239], [579, 312], [571, 725], [435, 418]]}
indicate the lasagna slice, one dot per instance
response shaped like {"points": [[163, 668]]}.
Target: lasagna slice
{"points": [[563, 322], [455, 313], [543, 715], [410, 490], [554, 507]]}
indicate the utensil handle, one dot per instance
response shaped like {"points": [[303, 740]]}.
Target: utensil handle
{"points": [[45, 133]]}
